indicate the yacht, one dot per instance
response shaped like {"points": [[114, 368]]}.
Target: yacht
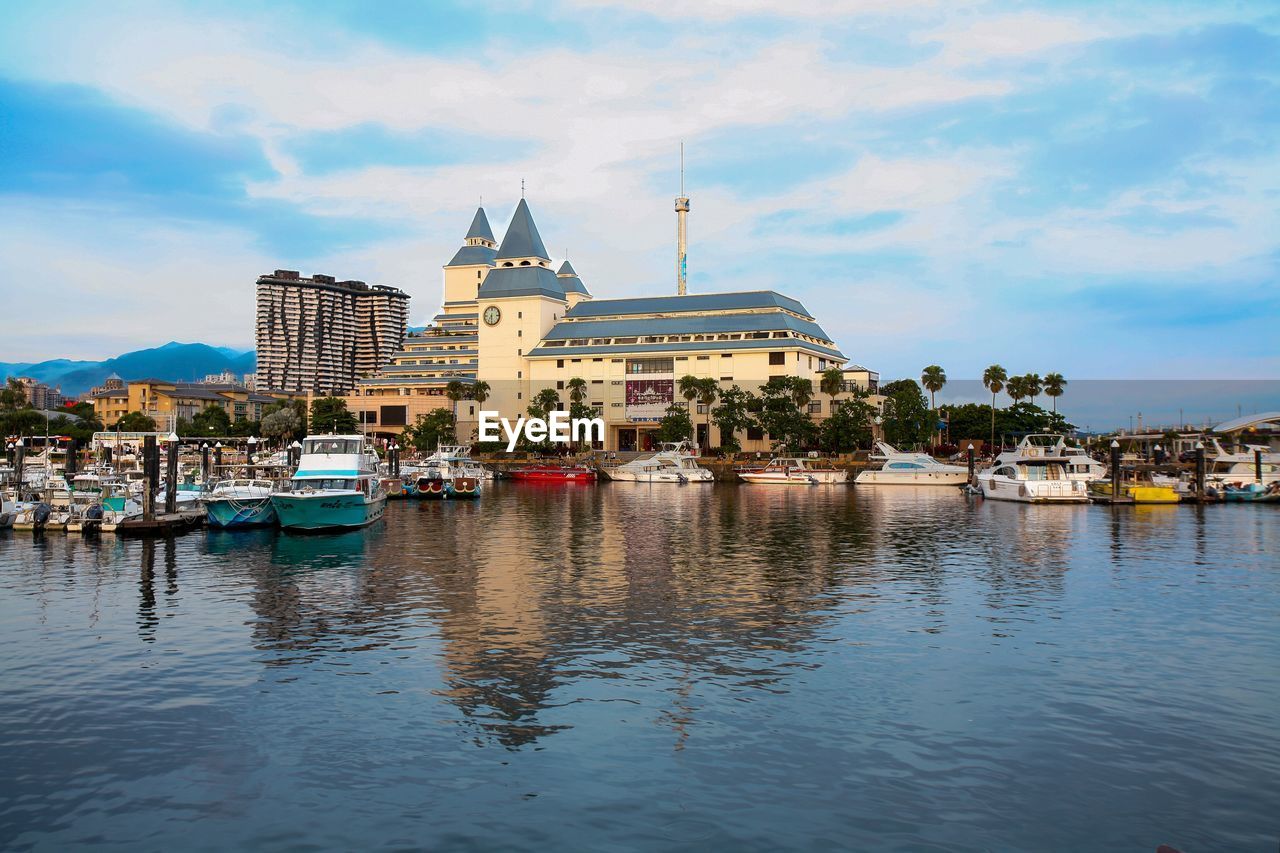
{"points": [[336, 486], [673, 463], [905, 468], [1033, 472], [1081, 466], [242, 502], [794, 471]]}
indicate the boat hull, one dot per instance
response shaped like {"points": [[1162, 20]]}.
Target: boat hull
{"points": [[908, 478], [329, 511], [246, 512], [1050, 491], [553, 475], [801, 478]]}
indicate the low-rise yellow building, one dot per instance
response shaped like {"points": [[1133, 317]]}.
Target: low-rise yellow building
{"points": [[166, 402]]}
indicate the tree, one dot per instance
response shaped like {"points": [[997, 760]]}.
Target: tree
{"points": [[675, 424], [13, 396], [733, 416], [994, 378], [708, 390], [542, 404], [831, 384], [330, 415], [282, 424], [480, 391], [455, 391], [1016, 388], [431, 430], [933, 378], [1054, 383], [907, 420], [577, 388], [689, 387], [136, 422], [849, 426], [83, 410], [781, 414], [211, 420]]}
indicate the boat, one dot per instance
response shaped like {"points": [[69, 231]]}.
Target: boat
{"points": [[242, 502], [907, 468], [553, 474], [1138, 489], [336, 486], [793, 471], [1080, 465], [674, 462], [1033, 472], [1254, 492]]}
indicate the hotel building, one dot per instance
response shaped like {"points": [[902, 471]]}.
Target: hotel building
{"points": [[166, 402], [512, 321], [321, 335]]}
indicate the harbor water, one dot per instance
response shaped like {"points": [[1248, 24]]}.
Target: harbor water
{"points": [[629, 667]]}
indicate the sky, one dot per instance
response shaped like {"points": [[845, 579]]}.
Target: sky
{"points": [[1083, 188]]}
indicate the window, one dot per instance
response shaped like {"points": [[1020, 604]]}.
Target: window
{"points": [[650, 365], [777, 358], [597, 359], [519, 333], [559, 362], [703, 357], [755, 434], [560, 384], [726, 378], [726, 355], [519, 374], [815, 407], [477, 273], [682, 358], [368, 417], [395, 415], [597, 381], [519, 315]]}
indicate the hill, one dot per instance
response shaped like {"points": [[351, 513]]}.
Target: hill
{"points": [[174, 361]]}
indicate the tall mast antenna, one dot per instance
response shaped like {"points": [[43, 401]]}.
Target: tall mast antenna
{"points": [[682, 235]]}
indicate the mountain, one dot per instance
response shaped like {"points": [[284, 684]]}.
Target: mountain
{"points": [[176, 362]]}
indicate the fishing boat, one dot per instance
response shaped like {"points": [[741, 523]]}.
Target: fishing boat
{"points": [[793, 471], [1033, 472], [906, 468], [673, 463], [553, 474], [242, 502], [336, 486]]}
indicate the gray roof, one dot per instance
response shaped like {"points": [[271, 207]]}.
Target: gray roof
{"points": [[696, 302], [566, 268], [688, 346], [480, 227], [689, 325], [521, 281], [469, 256], [522, 239], [417, 380], [570, 281]]}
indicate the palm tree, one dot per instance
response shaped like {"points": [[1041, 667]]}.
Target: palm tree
{"points": [[480, 391], [1053, 385], [1034, 386], [577, 389], [831, 383], [801, 392], [455, 391], [708, 390], [1016, 388], [933, 378], [689, 387], [994, 378]]}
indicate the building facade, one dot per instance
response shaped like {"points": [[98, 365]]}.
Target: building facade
{"points": [[166, 402], [517, 323], [40, 395], [321, 335]]}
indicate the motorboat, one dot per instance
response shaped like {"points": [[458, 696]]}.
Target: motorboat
{"points": [[242, 502], [553, 474], [1033, 472], [793, 471], [673, 463], [909, 468], [1080, 465], [336, 486]]}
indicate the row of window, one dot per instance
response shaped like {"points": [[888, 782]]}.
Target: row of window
{"points": [[674, 339]]}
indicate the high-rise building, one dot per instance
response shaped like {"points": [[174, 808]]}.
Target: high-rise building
{"points": [[318, 334]]}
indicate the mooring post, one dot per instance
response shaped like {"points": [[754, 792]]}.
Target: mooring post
{"points": [[151, 470], [971, 463], [204, 462], [1200, 495], [1115, 470], [1257, 464], [252, 445], [73, 459], [217, 458], [171, 476]]}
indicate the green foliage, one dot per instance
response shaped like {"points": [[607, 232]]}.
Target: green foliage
{"points": [[245, 428], [330, 415], [82, 410], [781, 412], [542, 404], [480, 391], [907, 419], [732, 416], [13, 396], [282, 424], [136, 422], [1054, 385], [211, 420], [849, 426], [933, 378], [676, 425], [577, 388], [832, 382], [972, 420], [431, 430]]}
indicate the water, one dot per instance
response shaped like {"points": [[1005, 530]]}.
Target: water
{"points": [[629, 667]]}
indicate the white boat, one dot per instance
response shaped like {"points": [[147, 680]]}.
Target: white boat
{"points": [[1033, 472], [794, 471], [448, 459], [242, 502], [905, 468], [673, 463], [336, 486], [1081, 466]]}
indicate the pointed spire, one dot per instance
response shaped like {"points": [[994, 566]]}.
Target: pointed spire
{"points": [[480, 227], [522, 239], [566, 268]]}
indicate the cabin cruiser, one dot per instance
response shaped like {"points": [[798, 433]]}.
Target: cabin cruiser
{"points": [[673, 463], [1225, 470], [336, 486], [1033, 472], [1080, 465], [794, 471], [905, 468], [450, 472], [240, 502]]}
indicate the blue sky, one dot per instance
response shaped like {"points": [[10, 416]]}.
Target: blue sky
{"points": [[1085, 188]]}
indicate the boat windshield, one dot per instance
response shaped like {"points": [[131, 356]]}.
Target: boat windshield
{"points": [[335, 483], [331, 445]]}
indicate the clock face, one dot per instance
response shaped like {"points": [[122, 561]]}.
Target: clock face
{"points": [[492, 315]]}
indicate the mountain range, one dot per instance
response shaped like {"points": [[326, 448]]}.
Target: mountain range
{"points": [[175, 362]]}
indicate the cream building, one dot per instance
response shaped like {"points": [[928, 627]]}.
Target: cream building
{"points": [[516, 324]]}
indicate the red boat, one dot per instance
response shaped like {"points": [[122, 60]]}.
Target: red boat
{"points": [[553, 474]]}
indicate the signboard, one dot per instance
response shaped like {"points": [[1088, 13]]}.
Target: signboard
{"points": [[648, 399]]}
